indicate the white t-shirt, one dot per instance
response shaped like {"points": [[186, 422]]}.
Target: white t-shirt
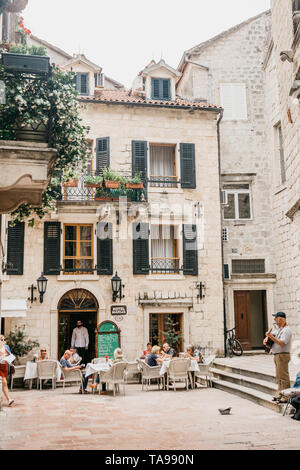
{"points": [[285, 335]]}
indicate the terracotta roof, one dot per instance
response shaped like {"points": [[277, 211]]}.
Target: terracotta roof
{"points": [[125, 97]]}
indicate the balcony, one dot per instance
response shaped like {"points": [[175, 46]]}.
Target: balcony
{"points": [[165, 266], [158, 181]]}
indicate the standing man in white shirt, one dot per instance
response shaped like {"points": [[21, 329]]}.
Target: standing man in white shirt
{"points": [[80, 340], [281, 349]]}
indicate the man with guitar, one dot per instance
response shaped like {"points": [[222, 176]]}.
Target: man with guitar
{"points": [[281, 349]]}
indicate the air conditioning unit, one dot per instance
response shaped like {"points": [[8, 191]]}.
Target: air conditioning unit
{"points": [[99, 80]]}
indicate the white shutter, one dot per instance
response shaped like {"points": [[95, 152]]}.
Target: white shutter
{"points": [[233, 100]]}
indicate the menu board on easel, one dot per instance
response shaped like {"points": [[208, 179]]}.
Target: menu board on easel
{"points": [[108, 339]]}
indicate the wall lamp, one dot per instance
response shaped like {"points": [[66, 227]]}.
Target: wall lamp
{"points": [[116, 286]]}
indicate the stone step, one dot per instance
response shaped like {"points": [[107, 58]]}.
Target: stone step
{"points": [[255, 396], [244, 371], [264, 386], [254, 352]]}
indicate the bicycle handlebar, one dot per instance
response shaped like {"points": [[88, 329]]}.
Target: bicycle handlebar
{"points": [[228, 331]]}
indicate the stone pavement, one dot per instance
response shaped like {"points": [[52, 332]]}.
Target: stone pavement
{"points": [[154, 420]]}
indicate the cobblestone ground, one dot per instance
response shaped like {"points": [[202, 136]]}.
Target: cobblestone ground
{"points": [[153, 420]]}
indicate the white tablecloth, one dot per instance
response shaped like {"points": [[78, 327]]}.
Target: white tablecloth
{"points": [[95, 368], [165, 366], [31, 371]]}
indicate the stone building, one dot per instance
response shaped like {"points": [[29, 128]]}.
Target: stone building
{"points": [[164, 242], [282, 93], [227, 70]]}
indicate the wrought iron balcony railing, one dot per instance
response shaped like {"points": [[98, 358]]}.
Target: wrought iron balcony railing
{"points": [[165, 265], [158, 181]]}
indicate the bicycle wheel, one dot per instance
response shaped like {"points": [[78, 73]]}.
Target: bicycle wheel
{"points": [[237, 348], [229, 347]]}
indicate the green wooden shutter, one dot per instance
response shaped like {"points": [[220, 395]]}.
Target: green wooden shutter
{"points": [[166, 89], [190, 251], [155, 88], [102, 154], [188, 167], [139, 158], [82, 83], [160, 89], [15, 249], [52, 232], [104, 248], [140, 248], [226, 271]]}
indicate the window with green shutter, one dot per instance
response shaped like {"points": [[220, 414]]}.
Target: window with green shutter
{"points": [[139, 158], [15, 249], [188, 166], [102, 154], [52, 234], [82, 83], [104, 248], [161, 89], [190, 249], [140, 248]]}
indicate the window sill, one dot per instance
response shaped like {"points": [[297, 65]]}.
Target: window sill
{"points": [[165, 190], [164, 277], [78, 277]]}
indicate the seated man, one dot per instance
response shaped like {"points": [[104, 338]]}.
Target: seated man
{"points": [[66, 365], [193, 353], [168, 352], [75, 357]]}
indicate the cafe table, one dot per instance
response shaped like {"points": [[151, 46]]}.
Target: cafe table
{"points": [[193, 368], [31, 372], [97, 368]]}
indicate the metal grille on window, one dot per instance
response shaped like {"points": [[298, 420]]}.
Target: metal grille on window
{"points": [[248, 266], [225, 234]]}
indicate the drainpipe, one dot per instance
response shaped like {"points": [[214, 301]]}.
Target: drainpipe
{"points": [[221, 218]]}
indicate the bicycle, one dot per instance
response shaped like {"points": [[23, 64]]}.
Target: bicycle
{"points": [[233, 346]]}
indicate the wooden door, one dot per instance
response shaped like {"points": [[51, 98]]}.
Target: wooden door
{"points": [[242, 318]]}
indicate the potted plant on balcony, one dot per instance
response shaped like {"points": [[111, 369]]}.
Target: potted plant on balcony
{"points": [[103, 194], [112, 179], [93, 181], [135, 182], [70, 179]]}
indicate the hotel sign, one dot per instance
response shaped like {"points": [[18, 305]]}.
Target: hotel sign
{"points": [[118, 310]]}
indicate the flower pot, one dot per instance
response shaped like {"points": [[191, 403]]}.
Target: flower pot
{"points": [[26, 63], [106, 199], [112, 184], [93, 185], [134, 185], [36, 133], [71, 184]]}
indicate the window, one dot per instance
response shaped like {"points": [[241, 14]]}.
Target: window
{"points": [[280, 153], [164, 249], [234, 101], [161, 89], [248, 266], [238, 205], [163, 166], [225, 234], [82, 83], [78, 249], [159, 323]]}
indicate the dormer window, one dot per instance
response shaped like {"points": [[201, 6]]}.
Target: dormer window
{"points": [[82, 83], [161, 89]]}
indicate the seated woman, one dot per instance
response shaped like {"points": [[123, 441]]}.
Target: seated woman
{"points": [[148, 351], [118, 356], [193, 353], [154, 359], [43, 356]]}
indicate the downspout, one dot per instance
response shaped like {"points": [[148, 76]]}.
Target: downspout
{"points": [[221, 218]]}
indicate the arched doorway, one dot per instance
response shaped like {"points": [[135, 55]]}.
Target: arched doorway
{"points": [[77, 304]]}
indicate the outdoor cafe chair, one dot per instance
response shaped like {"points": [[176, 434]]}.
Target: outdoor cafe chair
{"points": [[114, 376], [178, 371], [71, 376], [149, 373], [19, 374], [132, 369], [46, 370], [205, 369]]}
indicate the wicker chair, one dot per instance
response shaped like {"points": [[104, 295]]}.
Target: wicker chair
{"points": [[114, 376], [133, 370], [149, 373], [46, 370], [178, 372], [71, 376], [205, 370], [19, 374]]}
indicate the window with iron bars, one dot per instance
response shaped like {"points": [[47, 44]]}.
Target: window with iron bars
{"points": [[248, 266]]}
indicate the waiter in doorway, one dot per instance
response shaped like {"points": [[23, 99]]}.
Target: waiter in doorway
{"points": [[80, 340]]}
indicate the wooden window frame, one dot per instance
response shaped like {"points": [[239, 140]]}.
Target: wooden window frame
{"points": [[236, 193], [160, 316], [78, 241], [176, 253], [175, 166]]}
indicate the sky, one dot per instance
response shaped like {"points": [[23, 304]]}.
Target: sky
{"points": [[123, 36]]}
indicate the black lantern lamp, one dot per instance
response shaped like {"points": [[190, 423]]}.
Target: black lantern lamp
{"points": [[42, 286], [116, 285]]}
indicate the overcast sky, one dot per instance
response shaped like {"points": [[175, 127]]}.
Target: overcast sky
{"points": [[122, 36]]}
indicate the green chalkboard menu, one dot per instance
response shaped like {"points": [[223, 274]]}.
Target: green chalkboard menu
{"points": [[108, 339]]}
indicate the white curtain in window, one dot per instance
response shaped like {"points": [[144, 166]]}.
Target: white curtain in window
{"points": [[162, 238], [161, 162]]}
